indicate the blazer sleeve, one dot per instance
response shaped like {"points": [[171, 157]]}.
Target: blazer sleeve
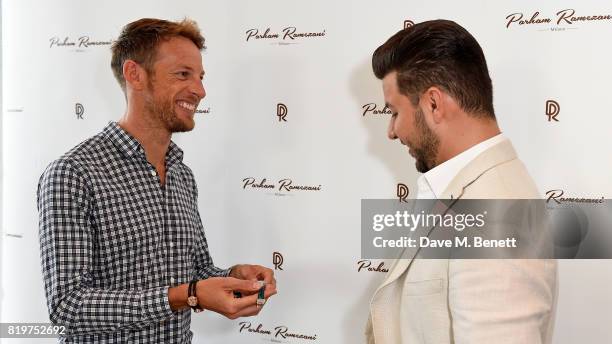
{"points": [[504, 301]]}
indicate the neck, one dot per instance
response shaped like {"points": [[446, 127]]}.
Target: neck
{"points": [[151, 134], [465, 135]]}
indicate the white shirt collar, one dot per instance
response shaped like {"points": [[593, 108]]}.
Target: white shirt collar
{"points": [[435, 181]]}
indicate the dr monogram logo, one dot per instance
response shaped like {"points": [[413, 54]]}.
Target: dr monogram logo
{"points": [[552, 110], [402, 192], [277, 260], [281, 112], [79, 110]]}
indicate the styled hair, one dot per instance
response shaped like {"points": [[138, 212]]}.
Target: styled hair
{"points": [[438, 53], [139, 40]]}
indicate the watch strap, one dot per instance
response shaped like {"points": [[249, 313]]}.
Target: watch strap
{"points": [[192, 292]]}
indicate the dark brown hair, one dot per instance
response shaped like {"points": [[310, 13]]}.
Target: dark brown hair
{"points": [[138, 41], [438, 53]]}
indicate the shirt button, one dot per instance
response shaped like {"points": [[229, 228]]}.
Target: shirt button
{"points": [[171, 244], [153, 173], [172, 280]]}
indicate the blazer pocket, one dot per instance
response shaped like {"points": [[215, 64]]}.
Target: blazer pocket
{"points": [[426, 287]]}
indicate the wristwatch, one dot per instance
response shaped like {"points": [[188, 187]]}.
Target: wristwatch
{"points": [[192, 298]]}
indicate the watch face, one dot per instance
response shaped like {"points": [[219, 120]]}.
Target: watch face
{"points": [[192, 301]]}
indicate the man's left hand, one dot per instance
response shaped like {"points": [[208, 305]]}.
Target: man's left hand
{"points": [[256, 273]]}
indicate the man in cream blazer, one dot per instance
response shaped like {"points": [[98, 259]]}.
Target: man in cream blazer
{"points": [[437, 85]]}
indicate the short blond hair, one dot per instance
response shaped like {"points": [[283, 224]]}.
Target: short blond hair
{"points": [[138, 41]]}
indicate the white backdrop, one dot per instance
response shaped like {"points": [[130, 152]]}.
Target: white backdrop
{"points": [[325, 141]]}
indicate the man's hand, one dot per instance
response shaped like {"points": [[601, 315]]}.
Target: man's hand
{"points": [[217, 294], [256, 273]]}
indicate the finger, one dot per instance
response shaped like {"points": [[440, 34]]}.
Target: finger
{"points": [[244, 302], [246, 312], [273, 283], [243, 286], [249, 293], [270, 293], [271, 288], [248, 272], [266, 274]]}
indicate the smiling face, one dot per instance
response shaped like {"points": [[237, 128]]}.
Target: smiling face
{"points": [[175, 87], [408, 124]]}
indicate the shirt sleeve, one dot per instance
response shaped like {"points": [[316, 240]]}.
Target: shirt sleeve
{"points": [[66, 233]]}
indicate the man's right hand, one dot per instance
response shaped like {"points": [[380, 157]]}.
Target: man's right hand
{"points": [[217, 294]]}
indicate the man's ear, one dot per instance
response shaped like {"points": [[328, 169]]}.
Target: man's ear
{"points": [[135, 76], [432, 101]]}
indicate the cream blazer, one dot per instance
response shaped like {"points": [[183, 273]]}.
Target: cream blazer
{"points": [[470, 301]]}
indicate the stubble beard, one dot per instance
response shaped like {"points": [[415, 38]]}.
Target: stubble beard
{"points": [[427, 149], [163, 113]]}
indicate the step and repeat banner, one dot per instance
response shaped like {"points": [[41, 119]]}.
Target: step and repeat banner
{"points": [[292, 135]]}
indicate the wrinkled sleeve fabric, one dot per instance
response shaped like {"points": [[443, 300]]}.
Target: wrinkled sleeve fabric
{"points": [[506, 301]]}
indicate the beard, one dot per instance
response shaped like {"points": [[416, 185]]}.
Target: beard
{"points": [[163, 112], [426, 150]]}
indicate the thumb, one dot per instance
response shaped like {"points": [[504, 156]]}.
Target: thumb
{"points": [[236, 284]]}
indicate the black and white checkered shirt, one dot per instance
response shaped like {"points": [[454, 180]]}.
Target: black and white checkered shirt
{"points": [[112, 242]]}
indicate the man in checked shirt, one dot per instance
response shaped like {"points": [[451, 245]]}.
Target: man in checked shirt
{"points": [[120, 234]]}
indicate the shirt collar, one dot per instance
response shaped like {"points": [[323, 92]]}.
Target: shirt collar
{"points": [[438, 178], [130, 147]]}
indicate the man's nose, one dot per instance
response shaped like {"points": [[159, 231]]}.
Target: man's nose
{"points": [[198, 89], [390, 131]]}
